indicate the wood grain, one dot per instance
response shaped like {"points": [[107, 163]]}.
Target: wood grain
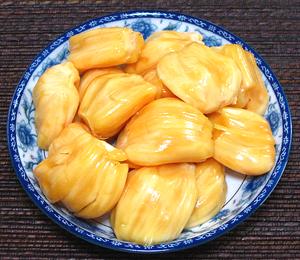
{"points": [[271, 27]]}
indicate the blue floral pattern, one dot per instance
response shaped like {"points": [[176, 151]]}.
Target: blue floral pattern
{"points": [[273, 118], [172, 26], [25, 127], [26, 155], [144, 26], [212, 41], [27, 139]]}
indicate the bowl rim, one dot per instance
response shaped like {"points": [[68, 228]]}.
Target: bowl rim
{"points": [[127, 246]]}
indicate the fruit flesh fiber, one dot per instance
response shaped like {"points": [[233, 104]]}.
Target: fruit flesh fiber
{"points": [[56, 100], [156, 204], [167, 131], [243, 141]]}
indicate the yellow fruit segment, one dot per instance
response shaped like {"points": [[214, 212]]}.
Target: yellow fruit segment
{"points": [[258, 95], [167, 131], [162, 90], [105, 47], [90, 75], [253, 94], [156, 204], [56, 99], [211, 187], [112, 99], [243, 141], [236, 52], [67, 136], [158, 45], [83, 173], [201, 77]]}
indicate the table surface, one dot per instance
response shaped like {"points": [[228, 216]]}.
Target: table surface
{"points": [[271, 27]]}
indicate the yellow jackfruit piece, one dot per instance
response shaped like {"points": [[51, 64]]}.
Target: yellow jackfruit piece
{"points": [[201, 77], [90, 75], [112, 99], [162, 90], [253, 94], [243, 141], [211, 187], [158, 45], [258, 95], [239, 55], [83, 173], [156, 204], [242, 99], [67, 136], [105, 47], [56, 99], [167, 131]]}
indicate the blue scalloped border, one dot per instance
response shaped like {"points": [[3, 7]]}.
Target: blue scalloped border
{"points": [[167, 247]]}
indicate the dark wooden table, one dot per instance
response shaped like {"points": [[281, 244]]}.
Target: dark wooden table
{"points": [[271, 27]]}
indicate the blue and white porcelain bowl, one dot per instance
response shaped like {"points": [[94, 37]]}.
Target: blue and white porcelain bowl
{"points": [[245, 194]]}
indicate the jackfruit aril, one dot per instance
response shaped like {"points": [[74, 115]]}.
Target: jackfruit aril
{"points": [[201, 77], [253, 94], [112, 99], [85, 174], [156, 204], [258, 95], [158, 45], [56, 100], [67, 136], [105, 47], [237, 53], [167, 131], [243, 141], [90, 75], [211, 187], [162, 90]]}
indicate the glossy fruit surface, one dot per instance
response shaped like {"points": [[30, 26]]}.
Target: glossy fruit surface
{"points": [[112, 99], [201, 77], [167, 131], [56, 100], [105, 47], [156, 204], [243, 141], [211, 188], [83, 173]]}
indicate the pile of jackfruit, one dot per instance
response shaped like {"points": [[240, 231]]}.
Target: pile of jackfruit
{"points": [[181, 113]]}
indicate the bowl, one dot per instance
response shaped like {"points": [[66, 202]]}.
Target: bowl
{"points": [[245, 194]]}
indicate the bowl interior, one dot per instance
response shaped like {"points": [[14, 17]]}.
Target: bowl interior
{"points": [[244, 193]]}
